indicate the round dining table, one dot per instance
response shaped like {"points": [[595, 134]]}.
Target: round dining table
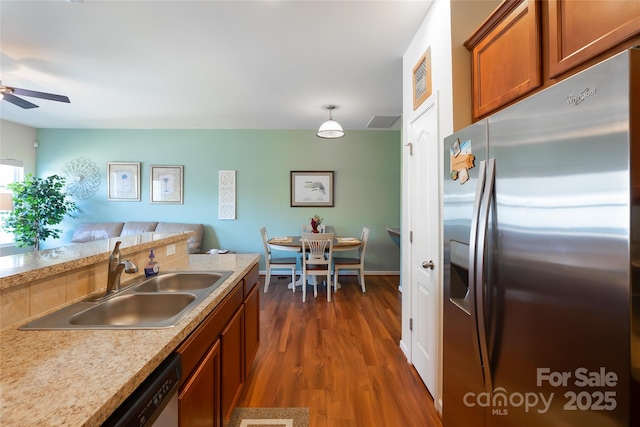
{"points": [[293, 243]]}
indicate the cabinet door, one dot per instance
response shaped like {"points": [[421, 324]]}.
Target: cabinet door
{"points": [[199, 396], [232, 363], [252, 328], [506, 58], [581, 30]]}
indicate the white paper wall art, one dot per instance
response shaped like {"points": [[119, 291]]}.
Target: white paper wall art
{"points": [[227, 194]]}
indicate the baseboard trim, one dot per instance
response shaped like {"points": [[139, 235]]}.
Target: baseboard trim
{"points": [[405, 350]]}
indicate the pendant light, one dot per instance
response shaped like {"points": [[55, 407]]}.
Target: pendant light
{"points": [[330, 129]]}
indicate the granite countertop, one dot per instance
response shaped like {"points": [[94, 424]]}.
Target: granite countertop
{"points": [[34, 265], [78, 378]]}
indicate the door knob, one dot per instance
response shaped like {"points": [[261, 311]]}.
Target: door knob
{"points": [[428, 264]]}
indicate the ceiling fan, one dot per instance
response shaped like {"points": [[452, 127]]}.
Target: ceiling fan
{"points": [[8, 93]]}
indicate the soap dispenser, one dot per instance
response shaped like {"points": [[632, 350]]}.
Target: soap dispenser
{"points": [[152, 267]]}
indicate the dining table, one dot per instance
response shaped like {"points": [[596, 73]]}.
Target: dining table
{"points": [[294, 244]]}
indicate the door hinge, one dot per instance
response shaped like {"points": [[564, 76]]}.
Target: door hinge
{"points": [[410, 236], [411, 324], [410, 145]]}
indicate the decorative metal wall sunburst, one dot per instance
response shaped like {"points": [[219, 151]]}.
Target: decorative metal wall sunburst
{"points": [[82, 177]]}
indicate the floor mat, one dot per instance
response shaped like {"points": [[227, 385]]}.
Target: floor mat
{"points": [[269, 417]]}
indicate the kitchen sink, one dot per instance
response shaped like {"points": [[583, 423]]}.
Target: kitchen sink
{"points": [[179, 282], [134, 309], [156, 302]]}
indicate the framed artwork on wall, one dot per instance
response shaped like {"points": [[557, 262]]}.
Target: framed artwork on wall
{"points": [[421, 77], [166, 184], [311, 188], [123, 181]]}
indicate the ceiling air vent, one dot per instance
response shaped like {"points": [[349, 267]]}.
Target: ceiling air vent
{"points": [[382, 122]]}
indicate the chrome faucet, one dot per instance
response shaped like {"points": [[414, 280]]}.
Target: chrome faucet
{"points": [[116, 267]]}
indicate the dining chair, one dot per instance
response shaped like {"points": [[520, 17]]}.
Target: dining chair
{"points": [[350, 263], [274, 263], [317, 257], [306, 228]]}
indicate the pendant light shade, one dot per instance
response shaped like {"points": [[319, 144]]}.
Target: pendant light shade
{"points": [[330, 129]]}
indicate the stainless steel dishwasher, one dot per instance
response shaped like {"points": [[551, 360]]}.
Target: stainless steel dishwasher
{"points": [[154, 402]]}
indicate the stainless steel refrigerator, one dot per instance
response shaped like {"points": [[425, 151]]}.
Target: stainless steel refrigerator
{"points": [[541, 265]]}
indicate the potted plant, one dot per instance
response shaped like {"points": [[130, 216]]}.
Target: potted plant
{"points": [[38, 204]]}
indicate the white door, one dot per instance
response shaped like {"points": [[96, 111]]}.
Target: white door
{"points": [[424, 194]]}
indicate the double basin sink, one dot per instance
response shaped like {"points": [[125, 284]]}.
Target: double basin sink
{"points": [[157, 302]]}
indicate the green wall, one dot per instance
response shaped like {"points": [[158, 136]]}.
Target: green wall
{"points": [[367, 182]]}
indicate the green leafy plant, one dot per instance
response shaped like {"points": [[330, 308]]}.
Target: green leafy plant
{"points": [[38, 204]]}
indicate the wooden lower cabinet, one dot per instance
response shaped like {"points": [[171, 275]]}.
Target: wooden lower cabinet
{"points": [[199, 397], [232, 339], [216, 357], [252, 328]]}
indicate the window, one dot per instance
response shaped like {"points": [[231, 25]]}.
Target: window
{"points": [[10, 171]]}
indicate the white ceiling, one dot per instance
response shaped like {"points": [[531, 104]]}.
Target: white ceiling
{"points": [[206, 64]]}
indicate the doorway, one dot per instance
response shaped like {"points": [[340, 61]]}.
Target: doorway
{"points": [[424, 257]]}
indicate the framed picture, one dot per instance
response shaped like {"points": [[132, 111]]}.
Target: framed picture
{"points": [[421, 77], [123, 181], [166, 184], [312, 188]]}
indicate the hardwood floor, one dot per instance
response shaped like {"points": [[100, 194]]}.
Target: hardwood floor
{"points": [[341, 359]]}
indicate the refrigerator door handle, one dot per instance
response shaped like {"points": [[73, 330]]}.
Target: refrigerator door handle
{"points": [[472, 265], [480, 282]]}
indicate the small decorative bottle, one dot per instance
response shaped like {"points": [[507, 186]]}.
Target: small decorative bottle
{"points": [[152, 267]]}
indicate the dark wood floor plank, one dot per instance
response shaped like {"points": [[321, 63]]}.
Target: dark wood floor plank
{"points": [[341, 358]]}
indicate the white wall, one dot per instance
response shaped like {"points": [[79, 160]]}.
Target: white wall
{"points": [[17, 142], [434, 33], [445, 28]]}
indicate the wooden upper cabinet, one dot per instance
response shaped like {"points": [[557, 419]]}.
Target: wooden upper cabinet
{"points": [[581, 30], [506, 55], [526, 45]]}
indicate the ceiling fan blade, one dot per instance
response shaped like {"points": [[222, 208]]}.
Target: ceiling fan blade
{"points": [[42, 95], [18, 101]]}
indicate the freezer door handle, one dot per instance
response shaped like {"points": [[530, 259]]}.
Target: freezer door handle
{"points": [[480, 282], [473, 263]]}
